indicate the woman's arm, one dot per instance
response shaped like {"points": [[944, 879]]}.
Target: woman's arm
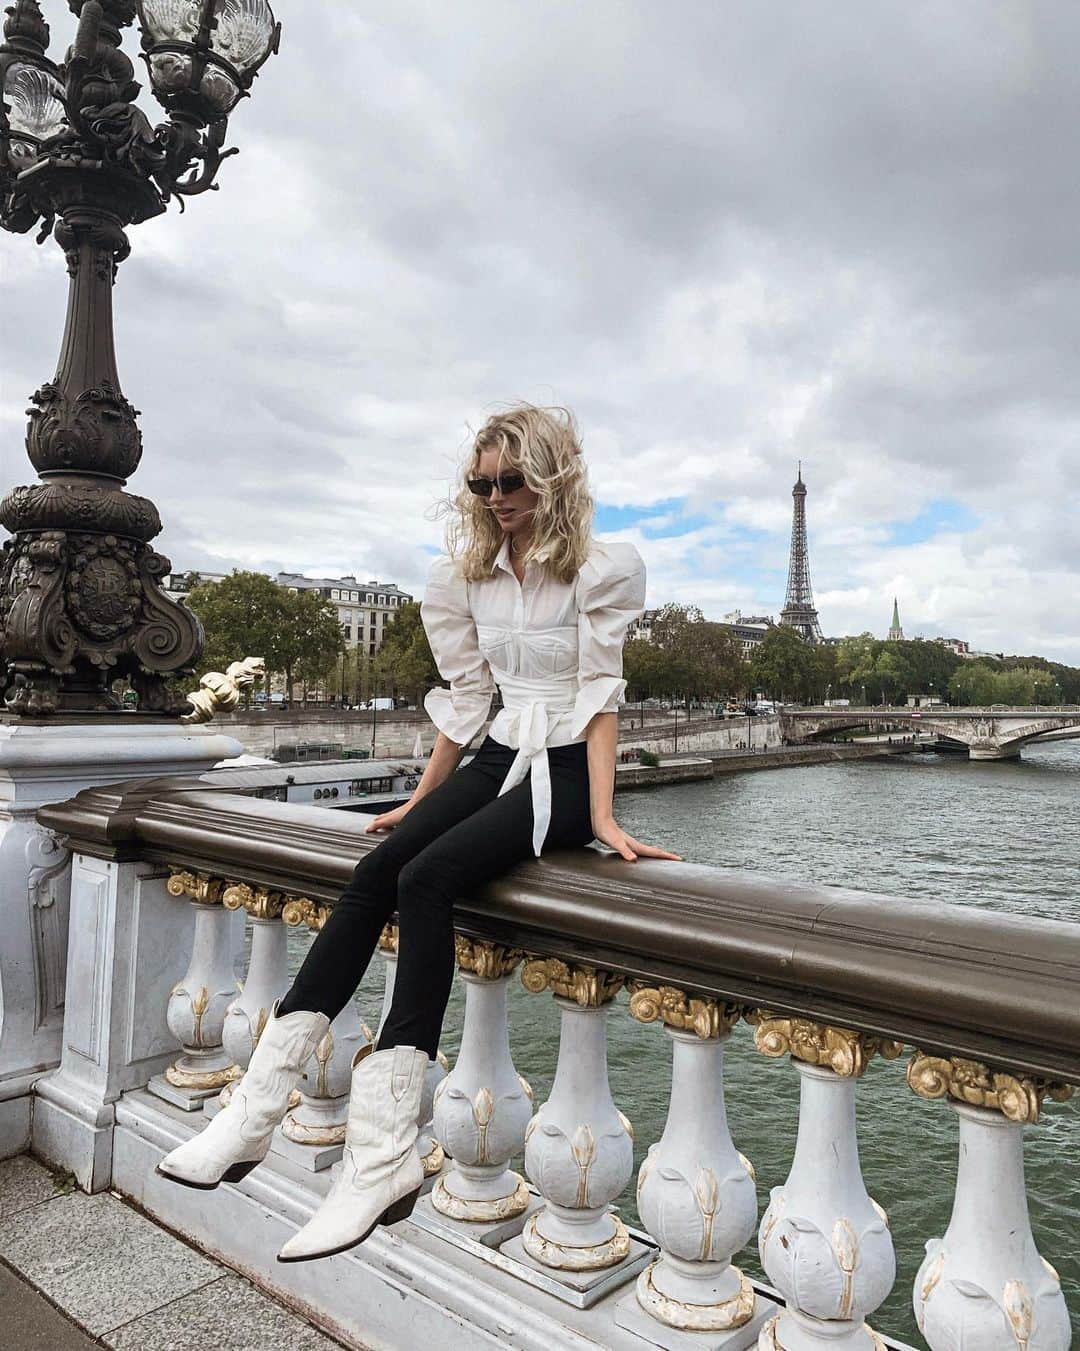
{"points": [[445, 758], [602, 737]]}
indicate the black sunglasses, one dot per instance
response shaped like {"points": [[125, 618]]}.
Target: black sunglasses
{"points": [[508, 483]]}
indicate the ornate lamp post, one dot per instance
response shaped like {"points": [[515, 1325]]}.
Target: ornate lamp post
{"points": [[80, 601]]}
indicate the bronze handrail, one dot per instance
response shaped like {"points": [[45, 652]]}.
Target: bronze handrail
{"points": [[948, 979]]}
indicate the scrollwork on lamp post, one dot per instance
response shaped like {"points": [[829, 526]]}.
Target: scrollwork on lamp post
{"points": [[80, 596]]}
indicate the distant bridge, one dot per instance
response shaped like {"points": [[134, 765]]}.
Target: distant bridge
{"points": [[988, 733]]}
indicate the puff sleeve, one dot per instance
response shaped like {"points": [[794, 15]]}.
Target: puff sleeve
{"points": [[610, 596], [460, 711]]}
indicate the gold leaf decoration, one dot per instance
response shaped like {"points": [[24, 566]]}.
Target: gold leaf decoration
{"points": [[1017, 1097], [299, 910], [200, 887], [845, 1052], [587, 986], [692, 1013], [489, 961]]}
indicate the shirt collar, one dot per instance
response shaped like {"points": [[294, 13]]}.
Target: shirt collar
{"points": [[502, 558]]}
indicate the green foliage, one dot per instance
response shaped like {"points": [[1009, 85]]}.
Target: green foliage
{"points": [[649, 758], [404, 662], [980, 683], [782, 665], [248, 615], [314, 639], [891, 670], [688, 655]]}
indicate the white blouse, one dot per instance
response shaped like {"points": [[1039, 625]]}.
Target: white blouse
{"points": [[553, 648]]}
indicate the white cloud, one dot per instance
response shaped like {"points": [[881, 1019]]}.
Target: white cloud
{"points": [[729, 243]]}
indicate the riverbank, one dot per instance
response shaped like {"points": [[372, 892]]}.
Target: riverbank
{"points": [[788, 757], [395, 733], [688, 770], [692, 768]]}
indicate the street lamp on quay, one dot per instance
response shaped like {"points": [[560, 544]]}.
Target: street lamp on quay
{"points": [[80, 596]]}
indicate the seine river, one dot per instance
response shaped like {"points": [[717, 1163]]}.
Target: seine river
{"points": [[1001, 835]]}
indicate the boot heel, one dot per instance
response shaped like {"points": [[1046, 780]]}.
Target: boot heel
{"points": [[400, 1210], [239, 1170]]}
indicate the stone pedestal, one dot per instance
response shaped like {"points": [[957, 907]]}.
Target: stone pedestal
{"points": [[43, 762]]}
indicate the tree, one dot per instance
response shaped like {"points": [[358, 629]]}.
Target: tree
{"points": [[782, 664], [315, 641], [889, 675], [823, 676], [248, 615], [720, 668], [855, 657], [404, 662], [972, 684], [645, 667], [698, 658], [243, 616]]}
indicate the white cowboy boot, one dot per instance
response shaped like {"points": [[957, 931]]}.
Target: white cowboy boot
{"points": [[239, 1136], [381, 1170]]}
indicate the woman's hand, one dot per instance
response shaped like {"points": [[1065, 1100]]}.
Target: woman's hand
{"points": [[609, 832], [388, 820]]}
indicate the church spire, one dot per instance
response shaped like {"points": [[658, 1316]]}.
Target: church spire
{"points": [[896, 633]]}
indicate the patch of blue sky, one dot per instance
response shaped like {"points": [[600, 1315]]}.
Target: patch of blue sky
{"points": [[942, 515], [662, 520]]}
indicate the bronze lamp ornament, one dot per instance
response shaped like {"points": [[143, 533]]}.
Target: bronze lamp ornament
{"points": [[80, 596]]}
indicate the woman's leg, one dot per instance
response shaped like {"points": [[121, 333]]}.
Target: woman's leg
{"points": [[481, 847], [381, 1173], [339, 956]]}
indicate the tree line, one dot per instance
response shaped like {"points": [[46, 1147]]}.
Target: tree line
{"points": [[299, 636], [872, 670]]}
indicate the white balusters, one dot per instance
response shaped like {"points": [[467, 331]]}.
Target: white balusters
{"points": [[198, 1003], [983, 1285], [318, 1117], [579, 1149], [267, 974], [696, 1193], [483, 1107], [824, 1243]]}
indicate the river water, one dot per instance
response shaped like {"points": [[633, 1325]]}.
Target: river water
{"points": [[1002, 835]]}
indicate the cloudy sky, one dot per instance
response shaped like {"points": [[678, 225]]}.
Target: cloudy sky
{"points": [[729, 235]]}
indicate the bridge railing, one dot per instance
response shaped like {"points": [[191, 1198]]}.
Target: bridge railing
{"points": [[983, 1005]]}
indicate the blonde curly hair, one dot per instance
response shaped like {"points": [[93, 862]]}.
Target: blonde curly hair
{"points": [[544, 444]]}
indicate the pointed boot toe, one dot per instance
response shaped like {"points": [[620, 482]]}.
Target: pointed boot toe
{"points": [[239, 1137], [381, 1172]]}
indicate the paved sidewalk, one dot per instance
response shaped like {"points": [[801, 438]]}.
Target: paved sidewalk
{"points": [[80, 1271]]}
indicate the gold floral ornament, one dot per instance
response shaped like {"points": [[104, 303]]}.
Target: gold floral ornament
{"points": [[388, 939], [219, 692], [299, 910], [1017, 1097], [259, 902], [489, 961], [691, 1013], [585, 985], [839, 1049], [200, 887]]}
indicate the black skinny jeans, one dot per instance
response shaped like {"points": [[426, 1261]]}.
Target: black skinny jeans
{"points": [[452, 841]]}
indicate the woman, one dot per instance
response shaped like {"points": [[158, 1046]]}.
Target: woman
{"points": [[528, 600]]}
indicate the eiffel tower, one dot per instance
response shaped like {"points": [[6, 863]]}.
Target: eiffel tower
{"points": [[799, 612]]}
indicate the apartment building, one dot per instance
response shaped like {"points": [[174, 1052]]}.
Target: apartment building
{"points": [[364, 608]]}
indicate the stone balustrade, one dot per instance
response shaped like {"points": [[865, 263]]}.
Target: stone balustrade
{"points": [[979, 1004]]}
